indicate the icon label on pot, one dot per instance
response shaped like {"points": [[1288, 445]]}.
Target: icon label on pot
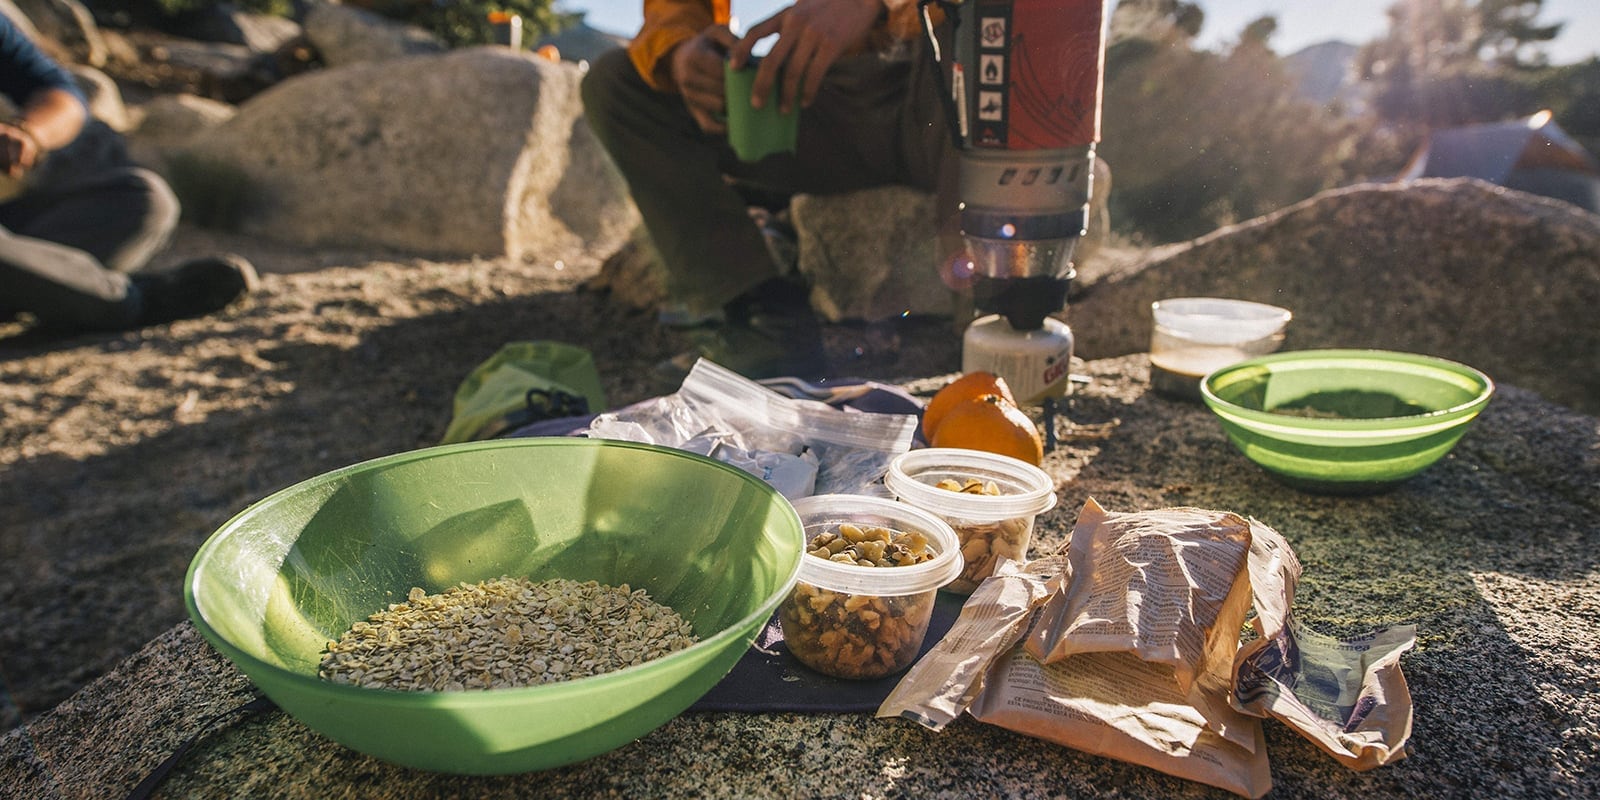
{"points": [[991, 106], [992, 70], [992, 32]]}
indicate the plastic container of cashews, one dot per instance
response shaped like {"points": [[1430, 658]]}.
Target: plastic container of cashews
{"points": [[989, 500]]}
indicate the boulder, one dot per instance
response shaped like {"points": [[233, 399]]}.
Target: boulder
{"points": [[170, 122], [120, 48], [870, 254], [66, 23], [176, 118], [478, 151], [1494, 278], [19, 18], [873, 253], [229, 72], [633, 275], [227, 23], [346, 35], [103, 96]]}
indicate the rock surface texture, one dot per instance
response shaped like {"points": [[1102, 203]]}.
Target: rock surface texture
{"points": [[1491, 553], [1501, 280], [870, 254], [877, 253]]}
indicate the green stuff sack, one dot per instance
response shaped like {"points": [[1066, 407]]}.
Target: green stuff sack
{"points": [[524, 382]]}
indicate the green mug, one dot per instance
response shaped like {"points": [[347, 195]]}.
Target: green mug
{"points": [[755, 133]]}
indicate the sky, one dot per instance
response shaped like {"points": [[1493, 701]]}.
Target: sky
{"points": [[1300, 22]]}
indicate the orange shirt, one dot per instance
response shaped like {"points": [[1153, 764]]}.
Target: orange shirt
{"points": [[667, 23]]}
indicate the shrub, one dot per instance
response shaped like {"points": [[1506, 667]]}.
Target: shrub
{"points": [[1573, 93], [466, 22], [1197, 140]]}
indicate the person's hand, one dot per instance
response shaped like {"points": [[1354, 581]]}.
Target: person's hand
{"points": [[19, 150], [697, 66], [812, 34], [49, 120]]}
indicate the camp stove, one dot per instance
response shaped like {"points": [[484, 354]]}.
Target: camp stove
{"points": [[1024, 91]]}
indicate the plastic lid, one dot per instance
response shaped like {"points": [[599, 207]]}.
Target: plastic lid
{"points": [[824, 512], [1215, 320], [1025, 489]]}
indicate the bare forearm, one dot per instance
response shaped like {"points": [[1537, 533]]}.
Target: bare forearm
{"points": [[53, 117], [50, 120]]}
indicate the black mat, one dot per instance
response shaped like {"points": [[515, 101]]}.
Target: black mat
{"points": [[769, 678]]}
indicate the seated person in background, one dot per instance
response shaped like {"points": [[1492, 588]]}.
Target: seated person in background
{"points": [[75, 232], [870, 116]]}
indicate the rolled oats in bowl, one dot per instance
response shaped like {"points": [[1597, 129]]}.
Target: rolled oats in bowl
{"points": [[990, 501], [503, 634], [865, 594]]}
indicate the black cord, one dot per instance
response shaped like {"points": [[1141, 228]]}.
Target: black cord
{"points": [[553, 403], [255, 706], [950, 111]]}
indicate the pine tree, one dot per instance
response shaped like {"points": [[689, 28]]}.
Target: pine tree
{"points": [[1446, 62], [1509, 34]]}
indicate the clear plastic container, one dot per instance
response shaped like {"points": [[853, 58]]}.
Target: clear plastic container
{"points": [[988, 526], [1194, 335], [860, 622]]}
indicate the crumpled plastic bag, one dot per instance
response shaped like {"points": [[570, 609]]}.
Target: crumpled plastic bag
{"points": [[799, 446]]}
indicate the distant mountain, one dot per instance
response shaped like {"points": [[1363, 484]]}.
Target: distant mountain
{"points": [[581, 42], [1325, 73]]}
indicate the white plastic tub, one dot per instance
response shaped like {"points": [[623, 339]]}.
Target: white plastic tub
{"points": [[988, 526], [853, 621]]}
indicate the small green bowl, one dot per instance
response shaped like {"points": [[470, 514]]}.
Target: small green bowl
{"points": [[289, 574], [1345, 421]]}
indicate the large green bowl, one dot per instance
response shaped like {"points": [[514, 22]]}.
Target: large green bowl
{"points": [[275, 584], [1345, 421]]}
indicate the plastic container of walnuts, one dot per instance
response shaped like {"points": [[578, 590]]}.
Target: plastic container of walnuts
{"points": [[850, 620], [990, 500]]}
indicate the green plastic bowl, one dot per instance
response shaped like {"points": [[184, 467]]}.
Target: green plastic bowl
{"points": [[1345, 421], [279, 581]]}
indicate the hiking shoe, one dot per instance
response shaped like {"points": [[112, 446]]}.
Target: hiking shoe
{"points": [[194, 288], [768, 332]]}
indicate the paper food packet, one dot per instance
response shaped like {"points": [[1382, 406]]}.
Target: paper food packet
{"points": [[946, 680], [1168, 587], [1348, 696], [1127, 645]]}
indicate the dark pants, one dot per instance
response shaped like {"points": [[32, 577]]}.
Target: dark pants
{"points": [[875, 122], [66, 249]]}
